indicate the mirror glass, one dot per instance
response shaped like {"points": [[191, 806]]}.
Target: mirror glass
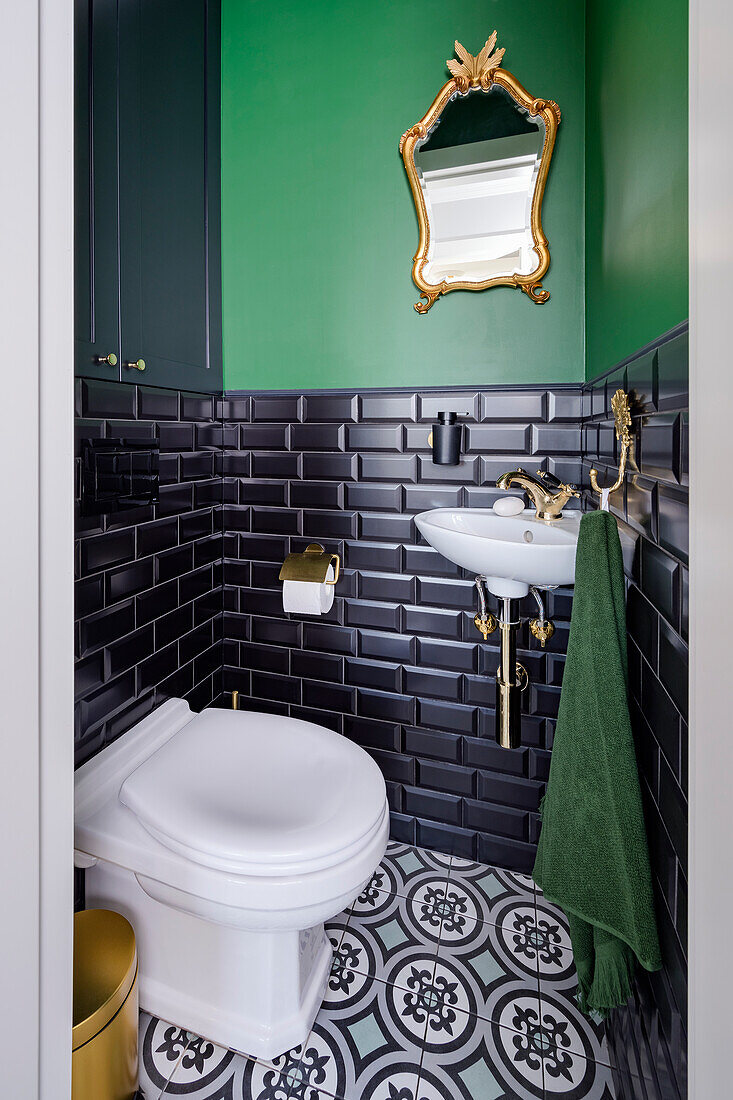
{"points": [[478, 168]]}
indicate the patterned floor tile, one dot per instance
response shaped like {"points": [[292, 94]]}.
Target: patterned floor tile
{"points": [[402, 862], [450, 979], [476, 891], [477, 960], [160, 1049], [366, 1043], [382, 940], [472, 1058]]}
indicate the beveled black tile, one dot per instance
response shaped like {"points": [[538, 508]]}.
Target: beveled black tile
{"points": [[382, 675], [394, 766], [106, 626], [105, 702], [445, 808], [468, 470], [488, 817], [387, 587], [434, 744], [394, 647], [275, 521], [457, 656], [102, 551], [383, 498], [674, 528], [485, 753], [169, 628], [195, 525], [426, 620], [446, 838], [366, 613], [317, 666], [433, 682], [497, 438], [421, 498], [660, 581], [465, 402], [329, 638], [234, 408], [527, 405], [329, 696], [425, 562], [549, 439], [388, 707], [174, 499], [446, 777], [447, 717], [672, 368], [501, 852], [390, 406], [212, 437], [155, 404], [283, 689], [511, 790], [268, 464], [88, 596], [264, 437], [265, 658], [340, 407], [285, 632], [317, 437], [197, 406], [376, 557], [673, 666], [384, 467], [330, 525], [107, 400], [176, 437], [564, 405], [127, 580], [363, 437], [272, 548], [197, 466], [372, 734], [195, 584], [159, 600]]}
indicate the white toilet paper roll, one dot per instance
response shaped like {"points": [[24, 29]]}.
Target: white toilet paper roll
{"points": [[307, 597]]}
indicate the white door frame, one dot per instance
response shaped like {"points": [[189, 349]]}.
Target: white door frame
{"points": [[36, 566], [36, 550], [711, 548]]}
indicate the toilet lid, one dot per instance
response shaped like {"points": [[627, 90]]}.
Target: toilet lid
{"points": [[243, 790]]}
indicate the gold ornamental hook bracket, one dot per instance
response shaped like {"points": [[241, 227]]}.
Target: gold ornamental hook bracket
{"points": [[312, 565], [622, 418]]}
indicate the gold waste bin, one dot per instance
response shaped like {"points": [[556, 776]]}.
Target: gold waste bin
{"points": [[104, 1043]]}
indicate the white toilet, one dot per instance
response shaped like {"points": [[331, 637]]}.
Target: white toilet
{"points": [[227, 838]]}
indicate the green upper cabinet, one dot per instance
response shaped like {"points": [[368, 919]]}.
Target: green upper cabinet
{"points": [[96, 305], [166, 53]]}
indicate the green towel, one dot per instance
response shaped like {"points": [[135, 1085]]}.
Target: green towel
{"points": [[592, 858]]}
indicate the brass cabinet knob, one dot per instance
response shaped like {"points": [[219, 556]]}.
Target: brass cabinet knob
{"points": [[111, 359], [138, 364]]}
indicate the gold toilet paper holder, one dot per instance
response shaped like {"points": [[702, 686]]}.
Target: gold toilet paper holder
{"points": [[312, 565]]}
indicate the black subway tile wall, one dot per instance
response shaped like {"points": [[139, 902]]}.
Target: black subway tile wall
{"points": [[148, 580], [396, 664], [650, 1038], [182, 598]]}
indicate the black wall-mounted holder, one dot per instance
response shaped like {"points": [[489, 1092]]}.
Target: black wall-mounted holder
{"points": [[117, 474], [447, 436]]}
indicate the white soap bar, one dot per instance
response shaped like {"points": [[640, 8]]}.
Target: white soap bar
{"points": [[508, 506]]}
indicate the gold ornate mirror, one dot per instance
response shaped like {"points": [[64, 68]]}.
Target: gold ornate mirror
{"points": [[477, 165]]}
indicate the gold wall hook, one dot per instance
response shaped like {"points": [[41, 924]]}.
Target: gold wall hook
{"points": [[622, 418], [312, 565]]}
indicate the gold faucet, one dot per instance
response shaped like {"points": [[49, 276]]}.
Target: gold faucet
{"points": [[548, 494]]}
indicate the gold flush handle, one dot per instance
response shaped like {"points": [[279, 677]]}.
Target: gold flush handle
{"points": [[110, 359], [138, 364]]}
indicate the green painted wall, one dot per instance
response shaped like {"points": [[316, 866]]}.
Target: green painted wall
{"points": [[318, 223], [636, 175]]}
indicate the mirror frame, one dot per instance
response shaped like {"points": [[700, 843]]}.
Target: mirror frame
{"points": [[481, 72]]}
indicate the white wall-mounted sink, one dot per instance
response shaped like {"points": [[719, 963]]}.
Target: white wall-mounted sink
{"points": [[512, 552]]}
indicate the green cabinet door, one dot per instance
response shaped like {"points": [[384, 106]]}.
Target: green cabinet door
{"points": [[170, 297], [96, 277]]}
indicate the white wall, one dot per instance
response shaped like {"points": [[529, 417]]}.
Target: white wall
{"points": [[36, 548], [711, 549]]}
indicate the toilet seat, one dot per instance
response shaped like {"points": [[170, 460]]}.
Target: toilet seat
{"points": [[257, 794]]}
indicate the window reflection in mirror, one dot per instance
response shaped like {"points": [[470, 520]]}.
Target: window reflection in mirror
{"points": [[478, 171]]}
